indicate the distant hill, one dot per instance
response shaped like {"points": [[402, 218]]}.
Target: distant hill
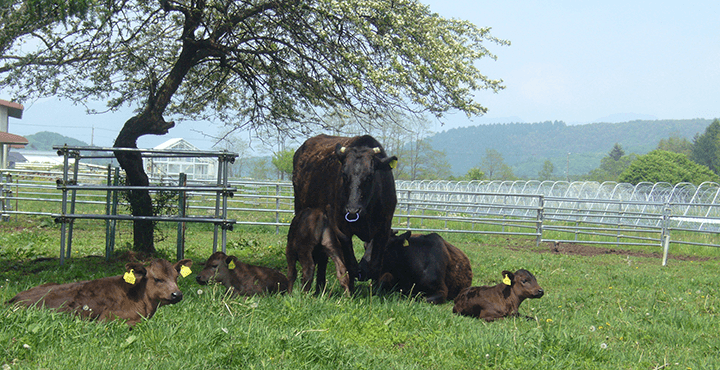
{"points": [[44, 140], [526, 146]]}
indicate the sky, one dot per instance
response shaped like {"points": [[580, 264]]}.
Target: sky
{"points": [[572, 61]]}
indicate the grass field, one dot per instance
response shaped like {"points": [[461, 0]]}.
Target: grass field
{"points": [[603, 310]]}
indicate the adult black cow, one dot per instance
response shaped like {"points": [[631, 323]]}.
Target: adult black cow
{"points": [[354, 176]]}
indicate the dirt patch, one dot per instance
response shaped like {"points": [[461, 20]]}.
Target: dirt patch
{"points": [[576, 249]]}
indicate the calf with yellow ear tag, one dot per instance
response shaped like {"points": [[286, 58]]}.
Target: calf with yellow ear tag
{"points": [[132, 296], [495, 302], [241, 278]]}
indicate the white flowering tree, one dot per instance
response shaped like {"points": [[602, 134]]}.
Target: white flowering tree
{"points": [[266, 65]]}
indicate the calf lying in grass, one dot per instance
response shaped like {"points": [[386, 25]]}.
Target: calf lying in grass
{"points": [[131, 297], [241, 278], [495, 302]]}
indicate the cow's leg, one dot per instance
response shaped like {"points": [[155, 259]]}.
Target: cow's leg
{"points": [[291, 257], [321, 261], [440, 296], [307, 264], [332, 247], [348, 253], [379, 242]]}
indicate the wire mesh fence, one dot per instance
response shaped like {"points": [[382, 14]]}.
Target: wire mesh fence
{"points": [[550, 211]]}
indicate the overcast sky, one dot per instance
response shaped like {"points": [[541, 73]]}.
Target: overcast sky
{"points": [[572, 61]]}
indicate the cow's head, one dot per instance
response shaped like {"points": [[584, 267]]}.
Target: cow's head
{"points": [[523, 283], [209, 271], [160, 279], [359, 166], [391, 255]]}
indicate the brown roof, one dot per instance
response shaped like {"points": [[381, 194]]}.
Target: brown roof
{"points": [[17, 141], [14, 109]]}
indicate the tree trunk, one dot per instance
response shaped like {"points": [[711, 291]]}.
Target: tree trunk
{"points": [[151, 121], [131, 162]]}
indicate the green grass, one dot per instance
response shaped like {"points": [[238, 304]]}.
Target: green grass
{"points": [[599, 312]]}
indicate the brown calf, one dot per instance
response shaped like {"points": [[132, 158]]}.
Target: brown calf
{"points": [[241, 278], [495, 302], [311, 239], [130, 297]]}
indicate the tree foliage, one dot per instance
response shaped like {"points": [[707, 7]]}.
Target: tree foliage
{"points": [[19, 18], [474, 173], [547, 171], [494, 166], [616, 152], [675, 143], [269, 65], [283, 162], [259, 64], [706, 147], [612, 165], [664, 166]]}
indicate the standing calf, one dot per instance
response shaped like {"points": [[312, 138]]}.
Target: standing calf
{"points": [[423, 264], [131, 297], [241, 278], [311, 239], [495, 302]]}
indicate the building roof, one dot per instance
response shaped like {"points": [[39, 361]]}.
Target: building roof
{"points": [[16, 141], [14, 109], [177, 143]]}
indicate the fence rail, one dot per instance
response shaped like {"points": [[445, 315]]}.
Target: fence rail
{"points": [[579, 212]]}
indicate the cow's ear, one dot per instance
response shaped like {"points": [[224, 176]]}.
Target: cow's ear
{"points": [[183, 267], [340, 151], [134, 272], [508, 277], [186, 262], [387, 164], [139, 268], [230, 262]]}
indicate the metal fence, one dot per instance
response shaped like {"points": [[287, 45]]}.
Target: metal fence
{"points": [[652, 215]]}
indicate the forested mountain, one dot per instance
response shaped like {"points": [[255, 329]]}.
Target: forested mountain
{"points": [[44, 140], [526, 146]]}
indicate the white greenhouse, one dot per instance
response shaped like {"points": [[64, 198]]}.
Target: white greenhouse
{"points": [[196, 168]]}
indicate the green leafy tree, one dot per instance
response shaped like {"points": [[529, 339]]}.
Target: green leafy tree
{"points": [[612, 165], [260, 168], [422, 162], [20, 18], [676, 144], [474, 173], [616, 152], [494, 166], [547, 171], [283, 162], [664, 166], [268, 65], [706, 147]]}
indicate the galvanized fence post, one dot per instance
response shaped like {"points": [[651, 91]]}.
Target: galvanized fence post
{"points": [[277, 209], [181, 214], [63, 208], [108, 205], [540, 217], [113, 212], [665, 234]]}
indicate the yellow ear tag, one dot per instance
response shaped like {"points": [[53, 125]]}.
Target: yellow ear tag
{"points": [[506, 280], [231, 265], [393, 163], [185, 271], [406, 243], [129, 277]]}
